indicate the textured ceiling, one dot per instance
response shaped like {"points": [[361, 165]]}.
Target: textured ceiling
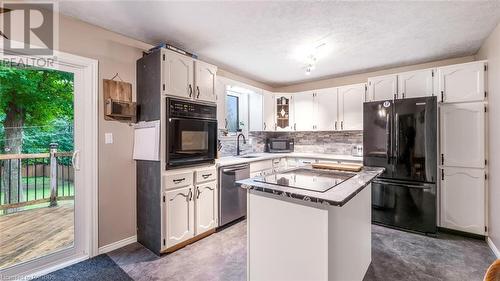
{"points": [[271, 41]]}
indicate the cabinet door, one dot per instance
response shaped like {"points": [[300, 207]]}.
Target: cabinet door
{"points": [[284, 112], [351, 106], [326, 110], [304, 105], [205, 76], [206, 207], [416, 84], [179, 215], [255, 112], [178, 75], [220, 88], [269, 115], [463, 135], [462, 82], [382, 87], [463, 200]]}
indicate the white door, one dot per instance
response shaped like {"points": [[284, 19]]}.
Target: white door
{"points": [[284, 108], [462, 82], [220, 89], [326, 110], [382, 87], [463, 200], [179, 215], [268, 114], [49, 225], [255, 112], [205, 77], [463, 135], [415, 84], [178, 75], [206, 207], [304, 106], [351, 106]]}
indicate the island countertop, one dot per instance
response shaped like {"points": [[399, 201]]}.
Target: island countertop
{"points": [[336, 196]]}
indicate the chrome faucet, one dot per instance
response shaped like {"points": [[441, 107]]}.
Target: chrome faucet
{"points": [[238, 143]]}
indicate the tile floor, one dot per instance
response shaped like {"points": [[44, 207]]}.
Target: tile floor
{"points": [[397, 255]]}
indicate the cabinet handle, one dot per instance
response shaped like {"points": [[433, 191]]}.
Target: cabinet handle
{"points": [[295, 126], [335, 125], [442, 96], [264, 126], [342, 125], [198, 90], [198, 192], [275, 126], [190, 90], [206, 176], [225, 119], [190, 195], [176, 181]]}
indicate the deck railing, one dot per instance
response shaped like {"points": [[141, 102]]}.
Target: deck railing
{"points": [[29, 179]]}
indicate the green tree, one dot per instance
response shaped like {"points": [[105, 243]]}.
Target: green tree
{"points": [[30, 98]]}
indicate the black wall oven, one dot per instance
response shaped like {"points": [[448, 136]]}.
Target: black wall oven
{"points": [[191, 133]]}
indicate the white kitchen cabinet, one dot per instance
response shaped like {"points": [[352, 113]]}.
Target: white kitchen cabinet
{"points": [[179, 215], [414, 84], [255, 110], [462, 82], [284, 112], [204, 81], [268, 111], [304, 106], [350, 106], [178, 75], [463, 200], [326, 113], [206, 207], [382, 87], [463, 135]]}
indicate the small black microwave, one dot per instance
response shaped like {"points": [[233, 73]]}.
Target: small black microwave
{"points": [[277, 145]]}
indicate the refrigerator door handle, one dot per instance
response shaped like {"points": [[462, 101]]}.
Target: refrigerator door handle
{"points": [[389, 139], [414, 186], [396, 133]]}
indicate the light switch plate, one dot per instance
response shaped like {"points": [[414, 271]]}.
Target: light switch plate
{"points": [[108, 138]]}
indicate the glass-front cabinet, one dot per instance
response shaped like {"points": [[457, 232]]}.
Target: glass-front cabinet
{"points": [[284, 112]]}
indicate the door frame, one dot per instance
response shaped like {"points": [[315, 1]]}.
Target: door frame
{"points": [[89, 72]]}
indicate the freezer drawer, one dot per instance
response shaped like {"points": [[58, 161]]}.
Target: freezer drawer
{"points": [[407, 205]]}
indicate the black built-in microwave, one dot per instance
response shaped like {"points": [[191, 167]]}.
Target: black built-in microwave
{"points": [[191, 132], [277, 145]]}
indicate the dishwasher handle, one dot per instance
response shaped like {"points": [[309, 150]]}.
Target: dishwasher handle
{"points": [[235, 168]]}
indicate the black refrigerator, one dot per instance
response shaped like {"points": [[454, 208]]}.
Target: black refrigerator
{"points": [[401, 136]]}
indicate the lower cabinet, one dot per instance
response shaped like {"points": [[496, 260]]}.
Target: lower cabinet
{"points": [[463, 199], [206, 207], [179, 215]]}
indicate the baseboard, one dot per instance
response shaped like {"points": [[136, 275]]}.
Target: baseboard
{"points": [[117, 244], [493, 247]]}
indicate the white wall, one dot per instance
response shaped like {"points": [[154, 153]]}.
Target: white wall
{"points": [[491, 51]]}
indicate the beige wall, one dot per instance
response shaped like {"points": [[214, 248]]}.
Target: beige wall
{"points": [[491, 51], [361, 78]]}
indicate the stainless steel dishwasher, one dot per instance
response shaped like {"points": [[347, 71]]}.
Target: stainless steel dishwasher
{"points": [[232, 198]]}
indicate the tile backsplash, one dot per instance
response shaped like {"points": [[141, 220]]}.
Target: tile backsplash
{"points": [[340, 143]]}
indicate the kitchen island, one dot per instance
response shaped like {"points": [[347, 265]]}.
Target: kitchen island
{"points": [[299, 229]]}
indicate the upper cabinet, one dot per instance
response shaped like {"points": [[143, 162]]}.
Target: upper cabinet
{"points": [[304, 104], [204, 81], [186, 77], [178, 75], [350, 106], [325, 109], [268, 111], [414, 84], [284, 112], [255, 110], [382, 87], [462, 82]]}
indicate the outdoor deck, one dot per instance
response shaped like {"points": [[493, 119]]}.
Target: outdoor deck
{"points": [[34, 233]]}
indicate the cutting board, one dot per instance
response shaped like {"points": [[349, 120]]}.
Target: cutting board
{"points": [[341, 167]]}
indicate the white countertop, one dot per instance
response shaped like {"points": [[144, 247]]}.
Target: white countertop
{"points": [[232, 160]]}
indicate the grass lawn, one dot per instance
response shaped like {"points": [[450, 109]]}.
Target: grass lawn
{"points": [[65, 188]]}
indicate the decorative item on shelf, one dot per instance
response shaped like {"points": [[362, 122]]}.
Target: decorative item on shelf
{"points": [[282, 112], [118, 104]]}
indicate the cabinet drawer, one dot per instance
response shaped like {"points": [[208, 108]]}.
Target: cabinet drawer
{"points": [[178, 180], [205, 175], [305, 161], [261, 165]]}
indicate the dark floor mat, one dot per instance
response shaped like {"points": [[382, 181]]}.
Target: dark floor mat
{"points": [[101, 268]]}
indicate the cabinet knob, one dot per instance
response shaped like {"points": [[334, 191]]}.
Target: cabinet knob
{"points": [[198, 90], [190, 90]]}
